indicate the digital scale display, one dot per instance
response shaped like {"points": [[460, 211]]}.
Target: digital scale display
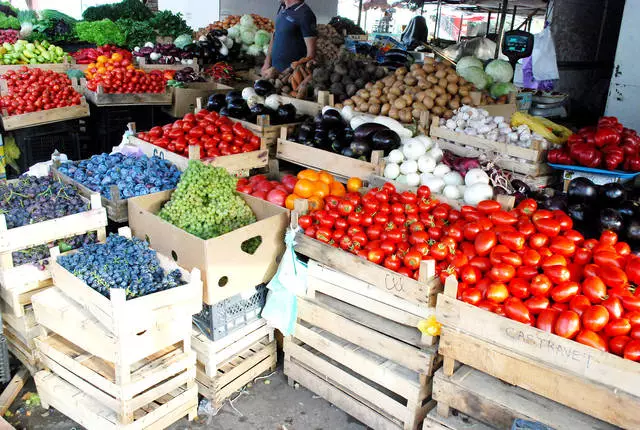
{"points": [[516, 43]]}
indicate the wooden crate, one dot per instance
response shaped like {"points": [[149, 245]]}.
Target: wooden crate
{"points": [[358, 37], [237, 164], [25, 327], [227, 270], [23, 352], [55, 67], [19, 283], [370, 374], [527, 161], [101, 99], [596, 383], [319, 159], [420, 292], [459, 421], [498, 404], [370, 306], [151, 378], [141, 62], [90, 413]]}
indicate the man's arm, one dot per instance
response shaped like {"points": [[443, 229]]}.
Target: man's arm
{"points": [[267, 61], [311, 43]]}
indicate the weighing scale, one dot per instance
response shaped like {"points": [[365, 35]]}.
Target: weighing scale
{"points": [[517, 44]]}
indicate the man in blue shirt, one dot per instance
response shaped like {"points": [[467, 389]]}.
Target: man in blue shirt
{"points": [[294, 36]]}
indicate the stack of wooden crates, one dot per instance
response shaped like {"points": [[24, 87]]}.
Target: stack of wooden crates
{"points": [[19, 283], [233, 345], [117, 363], [356, 341]]}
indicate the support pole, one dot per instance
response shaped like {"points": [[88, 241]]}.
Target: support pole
{"points": [[438, 13], [500, 32], [513, 17], [360, 12]]}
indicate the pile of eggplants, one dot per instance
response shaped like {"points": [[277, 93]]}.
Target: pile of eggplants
{"points": [[330, 132], [235, 106], [596, 208]]}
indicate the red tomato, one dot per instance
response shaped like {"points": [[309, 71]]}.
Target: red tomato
{"points": [[635, 332], [537, 304], [531, 257], [519, 288], [527, 207], [516, 310], [502, 272], [614, 306], [515, 241], [574, 236], [567, 325], [526, 272], [558, 274], [564, 291], [553, 260], [375, 256], [595, 318], [538, 240], [617, 344], [472, 296], [594, 289], [632, 350], [497, 292], [511, 258], [579, 304], [488, 206], [547, 226], [592, 339], [547, 320], [608, 237], [540, 285], [484, 242], [613, 277], [481, 263], [617, 327], [412, 260], [562, 246], [502, 217], [606, 258], [392, 262]]}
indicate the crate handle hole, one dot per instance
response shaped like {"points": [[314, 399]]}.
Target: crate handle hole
{"points": [[174, 256], [223, 281], [141, 333], [251, 245]]}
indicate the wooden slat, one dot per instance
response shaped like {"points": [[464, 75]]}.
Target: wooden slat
{"points": [[101, 99], [12, 390], [498, 404], [433, 421], [32, 119]]}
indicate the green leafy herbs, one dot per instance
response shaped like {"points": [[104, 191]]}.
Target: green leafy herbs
{"points": [[131, 9], [166, 23], [136, 33], [9, 22], [100, 32]]}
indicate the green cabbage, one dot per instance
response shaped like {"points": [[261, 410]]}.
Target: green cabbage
{"points": [[477, 77], [183, 40], [233, 32], [466, 62], [246, 21], [262, 38], [500, 70], [500, 89], [248, 37], [254, 50]]}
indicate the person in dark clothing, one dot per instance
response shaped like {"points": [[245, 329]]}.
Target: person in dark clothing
{"points": [[294, 36]]}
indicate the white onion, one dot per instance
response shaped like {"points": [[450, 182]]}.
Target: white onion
{"points": [[425, 177], [435, 184], [441, 170], [413, 149], [409, 166], [475, 176], [426, 164], [395, 156], [391, 171], [426, 141], [451, 192], [436, 153], [413, 179], [453, 178], [477, 192]]}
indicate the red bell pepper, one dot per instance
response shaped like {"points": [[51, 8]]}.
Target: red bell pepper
{"points": [[606, 136], [586, 155], [632, 163], [614, 156], [559, 156]]}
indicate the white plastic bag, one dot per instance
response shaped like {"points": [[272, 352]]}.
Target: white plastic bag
{"points": [[545, 67]]}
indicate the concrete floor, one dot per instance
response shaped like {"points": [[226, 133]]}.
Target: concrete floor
{"points": [[271, 405]]}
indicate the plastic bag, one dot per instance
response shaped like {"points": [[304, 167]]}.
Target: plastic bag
{"points": [[479, 47], [281, 308], [544, 63]]}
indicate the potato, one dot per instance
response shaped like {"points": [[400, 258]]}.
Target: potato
{"points": [[400, 103], [423, 84], [420, 96], [428, 102], [432, 79], [400, 71], [431, 93], [439, 90], [429, 60], [368, 85], [452, 88], [364, 107], [364, 94], [437, 110], [441, 73], [410, 80], [408, 98], [442, 100], [466, 100], [384, 99], [417, 113], [453, 77], [395, 91], [349, 102], [463, 91], [412, 90], [394, 113], [448, 114], [441, 66], [384, 110], [443, 83], [415, 67], [462, 81], [428, 68], [357, 100], [453, 104], [379, 85], [374, 109], [376, 92], [392, 97], [419, 74], [406, 115]]}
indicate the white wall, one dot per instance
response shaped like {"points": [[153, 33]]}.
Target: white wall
{"points": [[324, 9]]}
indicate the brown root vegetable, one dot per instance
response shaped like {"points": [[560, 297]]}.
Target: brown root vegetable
{"points": [[453, 77], [374, 100], [400, 103], [374, 109], [419, 106], [439, 90], [453, 104], [400, 71], [368, 85], [441, 73], [364, 107], [437, 110], [420, 96], [452, 88], [447, 114], [417, 113], [431, 93], [349, 102], [428, 102], [392, 97], [395, 91], [429, 60], [410, 80], [384, 98], [414, 67], [428, 68], [338, 106], [408, 98], [364, 94], [384, 110], [375, 92], [462, 81], [463, 91], [419, 74], [466, 100], [442, 100], [432, 79], [389, 80], [443, 83], [394, 113], [411, 90], [405, 115], [379, 85], [441, 66]]}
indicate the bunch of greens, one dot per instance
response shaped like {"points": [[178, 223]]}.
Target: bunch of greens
{"points": [[9, 22], [100, 32], [7, 9], [166, 23], [136, 33], [54, 26], [27, 16], [131, 9]]}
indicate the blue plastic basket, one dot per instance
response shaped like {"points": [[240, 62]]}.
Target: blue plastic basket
{"points": [[613, 173], [520, 424]]}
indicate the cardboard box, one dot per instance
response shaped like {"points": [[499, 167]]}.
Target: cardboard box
{"points": [[184, 99], [226, 269]]}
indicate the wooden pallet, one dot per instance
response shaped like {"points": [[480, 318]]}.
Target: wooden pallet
{"points": [[319, 159], [221, 260], [498, 404], [234, 373], [211, 354], [236, 164], [420, 292], [457, 421], [368, 305], [55, 67], [595, 383], [100, 98], [141, 63], [90, 413], [42, 117], [25, 354], [151, 377]]}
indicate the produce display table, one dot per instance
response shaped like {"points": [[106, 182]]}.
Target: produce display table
{"points": [[101, 99], [537, 361], [55, 67]]}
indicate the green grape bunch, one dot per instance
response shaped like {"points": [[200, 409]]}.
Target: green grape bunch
{"points": [[205, 203]]}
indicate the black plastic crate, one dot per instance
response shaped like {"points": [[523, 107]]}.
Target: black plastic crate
{"points": [[229, 315]]}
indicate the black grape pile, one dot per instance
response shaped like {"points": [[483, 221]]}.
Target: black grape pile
{"points": [[120, 263], [206, 204], [134, 175], [40, 252], [29, 200]]}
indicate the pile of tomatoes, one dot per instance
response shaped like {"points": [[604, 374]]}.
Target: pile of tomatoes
{"points": [[32, 89], [275, 192], [117, 75], [215, 134], [527, 264]]}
